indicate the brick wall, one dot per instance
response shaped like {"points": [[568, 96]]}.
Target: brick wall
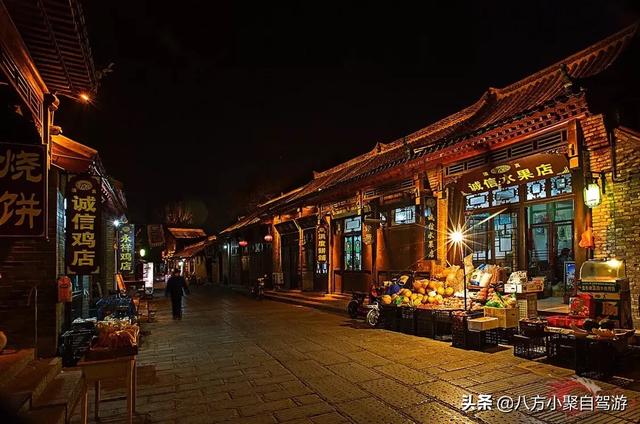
{"points": [[616, 225], [25, 263]]}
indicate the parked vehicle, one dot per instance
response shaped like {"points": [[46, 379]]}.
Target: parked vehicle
{"points": [[257, 290], [359, 307]]}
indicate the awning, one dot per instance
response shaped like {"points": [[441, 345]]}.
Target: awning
{"points": [[73, 157], [194, 249]]}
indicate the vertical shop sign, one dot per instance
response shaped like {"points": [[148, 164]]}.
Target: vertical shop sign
{"points": [[22, 190], [430, 229], [83, 225], [126, 246], [156, 235], [321, 244]]}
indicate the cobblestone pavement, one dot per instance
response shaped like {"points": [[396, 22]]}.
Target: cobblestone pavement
{"points": [[238, 360]]}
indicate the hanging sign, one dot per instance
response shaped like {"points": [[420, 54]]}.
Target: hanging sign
{"points": [[155, 234], [83, 225], [321, 244], [126, 248], [22, 190], [519, 171], [430, 229]]}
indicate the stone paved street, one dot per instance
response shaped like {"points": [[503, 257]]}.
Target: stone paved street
{"points": [[238, 360]]}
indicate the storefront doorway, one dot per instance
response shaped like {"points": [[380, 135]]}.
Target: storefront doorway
{"points": [[550, 238], [290, 261]]}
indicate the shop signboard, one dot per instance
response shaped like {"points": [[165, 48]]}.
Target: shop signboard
{"points": [[155, 233], [430, 229], [515, 172], [126, 248], [321, 244], [22, 190], [83, 225]]}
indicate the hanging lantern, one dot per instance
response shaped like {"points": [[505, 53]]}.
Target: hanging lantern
{"points": [[268, 238], [592, 195], [243, 243]]}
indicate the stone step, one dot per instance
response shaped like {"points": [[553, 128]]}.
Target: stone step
{"points": [[34, 378], [50, 415], [13, 363], [65, 390], [330, 306]]}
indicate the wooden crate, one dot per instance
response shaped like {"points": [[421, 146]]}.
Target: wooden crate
{"points": [[507, 317]]}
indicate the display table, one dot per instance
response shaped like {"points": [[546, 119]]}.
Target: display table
{"points": [[106, 369]]}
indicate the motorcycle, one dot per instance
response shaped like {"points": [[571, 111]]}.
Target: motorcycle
{"points": [[257, 290], [370, 311]]}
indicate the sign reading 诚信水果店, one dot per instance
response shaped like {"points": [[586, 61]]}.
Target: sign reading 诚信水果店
{"points": [[430, 230], [126, 248], [518, 171], [83, 225], [22, 190]]}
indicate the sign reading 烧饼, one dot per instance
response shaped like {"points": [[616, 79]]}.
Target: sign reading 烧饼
{"points": [[83, 225], [126, 248], [22, 190]]}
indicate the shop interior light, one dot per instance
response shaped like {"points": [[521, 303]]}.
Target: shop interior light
{"points": [[592, 195], [142, 253], [116, 223]]}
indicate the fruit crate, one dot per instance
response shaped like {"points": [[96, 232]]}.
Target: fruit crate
{"points": [[507, 317], [561, 349], [74, 345], [529, 347], [460, 329], [532, 328], [442, 320], [389, 317], [596, 359], [407, 320], [424, 322]]}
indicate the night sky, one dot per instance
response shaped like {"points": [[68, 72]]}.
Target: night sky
{"points": [[219, 105]]}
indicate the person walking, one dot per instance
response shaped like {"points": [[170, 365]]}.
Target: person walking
{"points": [[176, 288]]}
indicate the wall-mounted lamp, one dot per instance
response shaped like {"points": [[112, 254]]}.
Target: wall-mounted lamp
{"points": [[592, 192]]}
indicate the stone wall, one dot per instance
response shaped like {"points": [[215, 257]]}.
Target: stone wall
{"points": [[616, 225]]}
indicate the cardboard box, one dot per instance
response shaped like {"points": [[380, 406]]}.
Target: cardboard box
{"points": [[507, 317], [482, 323]]}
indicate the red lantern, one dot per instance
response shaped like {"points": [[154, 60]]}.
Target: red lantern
{"points": [[243, 243], [268, 238], [65, 289]]}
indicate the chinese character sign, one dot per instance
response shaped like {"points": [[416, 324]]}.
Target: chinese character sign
{"points": [[83, 225], [430, 232], [126, 248], [519, 171], [155, 234], [321, 244], [22, 190]]}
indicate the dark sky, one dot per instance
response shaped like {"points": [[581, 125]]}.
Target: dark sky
{"points": [[215, 104]]}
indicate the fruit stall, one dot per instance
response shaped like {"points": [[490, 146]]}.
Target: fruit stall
{"points": [[485, 307]]}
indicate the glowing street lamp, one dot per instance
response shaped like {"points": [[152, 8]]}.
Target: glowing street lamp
{"points": [[456, 239], [85, 97]]}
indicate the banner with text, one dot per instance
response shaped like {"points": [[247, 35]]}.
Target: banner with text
{"points": [[126, 248], [22, 190], [83, 225]]}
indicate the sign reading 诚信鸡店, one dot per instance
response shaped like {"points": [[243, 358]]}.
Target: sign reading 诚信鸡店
{"points": [[22, 190], [126, 247], [83, 225]]}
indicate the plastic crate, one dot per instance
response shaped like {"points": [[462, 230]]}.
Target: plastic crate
{"points": [[532, 328], [74, 344], [596, 359], [389, 317], [529, 347], [561, 349], [459, 331], [407, 320], [442, 320], [505, 335], [424, 322]]}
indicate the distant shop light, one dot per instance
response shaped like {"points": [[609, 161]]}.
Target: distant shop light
{"points": [[116, 223], [142, 253], [268, 238], [243, 243], [592, 195]]}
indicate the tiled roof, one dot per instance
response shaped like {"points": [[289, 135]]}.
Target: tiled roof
{"points": [[70, 155], [56, 37], [243, 222], [495, 108], [195, 248], [187, 233]]}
